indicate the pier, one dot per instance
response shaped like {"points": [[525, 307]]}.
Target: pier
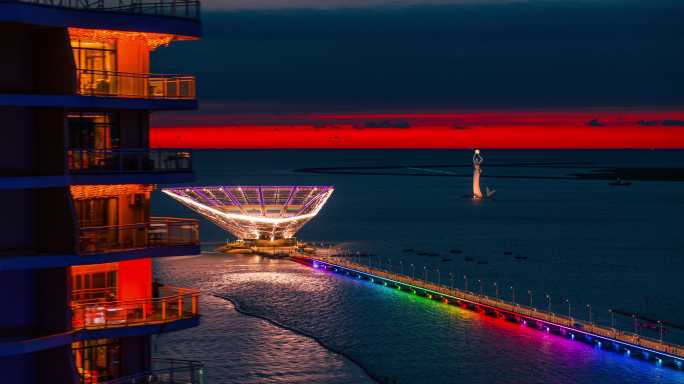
{"points": [[609, 338]]}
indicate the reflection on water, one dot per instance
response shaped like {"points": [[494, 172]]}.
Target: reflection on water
{"points": [[393, 334], [241, 349]]}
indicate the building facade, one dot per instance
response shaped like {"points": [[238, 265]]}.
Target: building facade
{"points": [[80, 304]]}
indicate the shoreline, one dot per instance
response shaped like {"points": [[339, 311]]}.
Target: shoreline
{"points": [[238, 308]]}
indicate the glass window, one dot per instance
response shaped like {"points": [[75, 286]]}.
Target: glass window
{"points": [[97, 212], [95, 55], [88, 130], [95, 64], [97, 361], [89, 285]]}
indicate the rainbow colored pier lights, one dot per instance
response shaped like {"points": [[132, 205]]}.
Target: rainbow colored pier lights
{"points": [[606, 338]]}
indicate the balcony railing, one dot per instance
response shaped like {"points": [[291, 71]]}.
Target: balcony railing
{"points": [[186, 9], [160, 231], [172, 304], [167, 371], [135, 85], [129, 160]]}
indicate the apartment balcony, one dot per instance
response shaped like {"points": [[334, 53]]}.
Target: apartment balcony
{"points": [[135, 85], [174, 309], [185, 9], [167, 371], [161, 236], [117, 90], [124, 166], [142, 160], [173, 304], [113, 166], [177, 17]]}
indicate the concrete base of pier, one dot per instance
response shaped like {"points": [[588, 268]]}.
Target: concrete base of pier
{"points": [[273, 248]]}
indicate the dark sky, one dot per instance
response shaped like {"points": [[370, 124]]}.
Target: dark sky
{"points": [[559, 54]]}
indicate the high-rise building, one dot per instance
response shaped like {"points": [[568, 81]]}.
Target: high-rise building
{"points": [[78, 298]]}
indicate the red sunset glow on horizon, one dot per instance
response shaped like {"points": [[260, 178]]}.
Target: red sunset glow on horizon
{"points": [[505, 130]]}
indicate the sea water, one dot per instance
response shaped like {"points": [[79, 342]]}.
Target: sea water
{"points": [[545, 232]]}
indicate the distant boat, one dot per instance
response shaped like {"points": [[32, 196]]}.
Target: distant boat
{"points": [[620, 183]]}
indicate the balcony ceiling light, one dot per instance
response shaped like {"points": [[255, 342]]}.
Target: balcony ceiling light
{"points": [[153, 40]]}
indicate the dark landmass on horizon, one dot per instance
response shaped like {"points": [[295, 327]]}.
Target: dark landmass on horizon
{"points": [[592, 172]]}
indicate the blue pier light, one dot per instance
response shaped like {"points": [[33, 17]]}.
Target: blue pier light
{"points": [[678, 363]]}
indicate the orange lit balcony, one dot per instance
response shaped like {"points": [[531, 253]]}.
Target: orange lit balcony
{"points": [[143, 160], [187, 9], [135, 85], [159, 232], [173, 304]]}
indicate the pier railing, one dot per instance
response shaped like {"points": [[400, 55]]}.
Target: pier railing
{"points": [[159, 231], [129, 160], [172, 304], [185, 9], [135, 85], [501, 305]]}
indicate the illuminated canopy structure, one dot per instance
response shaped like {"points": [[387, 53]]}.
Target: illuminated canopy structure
{"points": [[255, 212]]}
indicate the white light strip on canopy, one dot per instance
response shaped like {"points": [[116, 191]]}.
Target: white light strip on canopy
{"points": [[254, 219]]}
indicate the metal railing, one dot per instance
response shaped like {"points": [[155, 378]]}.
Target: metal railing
{"points": [[159, 231], [135, 85], [498, 304], [82, 160], [166, 371], [185, 9], [172, 304]]}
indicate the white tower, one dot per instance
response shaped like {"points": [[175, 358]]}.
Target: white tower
{"points": [[477, 170]]}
